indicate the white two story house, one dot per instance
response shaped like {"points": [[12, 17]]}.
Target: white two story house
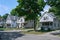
{"points": [[20, 22], [11, 21], [49, 21], [14, 21]]}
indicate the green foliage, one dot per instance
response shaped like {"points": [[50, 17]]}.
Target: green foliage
{"points": [[13, 12], [5, 16], [55, 6], [30, 8], [0, 16]]}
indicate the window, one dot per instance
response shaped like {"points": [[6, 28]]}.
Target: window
{"points": [[45, 23], [8, 24], [21, 20], [45, 18], [51, 23]]}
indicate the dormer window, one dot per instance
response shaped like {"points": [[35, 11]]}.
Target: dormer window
{"points": [[45, 18]]}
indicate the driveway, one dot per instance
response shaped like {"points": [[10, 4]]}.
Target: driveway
{"points": [[38, 37], [46, 36], [16, 35]]}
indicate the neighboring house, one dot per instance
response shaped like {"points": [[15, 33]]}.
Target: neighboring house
{"points": [[2, 22], [49, 21], [11, 21], [29, 24], [20, 22], [14, 21]]}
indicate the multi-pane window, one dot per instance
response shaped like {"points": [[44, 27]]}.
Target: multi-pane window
{"points": [[45, 18]]}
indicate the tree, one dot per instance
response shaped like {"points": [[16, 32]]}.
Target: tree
{"points": [[5, 16], [30, 9], [55, 6], [13, 12], [0, 16]]}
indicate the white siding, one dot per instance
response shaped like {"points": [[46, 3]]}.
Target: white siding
{"points": [[47, 20]]}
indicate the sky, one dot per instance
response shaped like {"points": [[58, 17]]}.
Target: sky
{"points": [[7, 5], [46, 9]]}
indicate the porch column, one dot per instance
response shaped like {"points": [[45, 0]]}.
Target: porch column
{"points": [[49, 24], [53, 26], [41, 24], [11, 25]]}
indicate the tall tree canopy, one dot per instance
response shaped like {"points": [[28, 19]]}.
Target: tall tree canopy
{"points": [[13, 12], [0, 16], [30, 9], [55, 6], [5, 16]]}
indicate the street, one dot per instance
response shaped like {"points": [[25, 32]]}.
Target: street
{"points": [[17, 36]]}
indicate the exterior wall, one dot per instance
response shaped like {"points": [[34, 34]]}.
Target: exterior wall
{"points": [[50, 18], [55, 24], [2, 23], [29, 24], [47, 19], [20, 22], [59, 24], [12, 23], [46, 27]]}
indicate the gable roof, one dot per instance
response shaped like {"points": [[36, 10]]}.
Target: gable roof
{"points": [[50, 17], [49, 14], [13, 18]]}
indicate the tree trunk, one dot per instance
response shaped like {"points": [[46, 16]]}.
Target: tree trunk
{"points": [[35, 24]]}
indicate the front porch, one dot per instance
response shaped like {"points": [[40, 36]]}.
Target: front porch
{"points": [[46, 25]]}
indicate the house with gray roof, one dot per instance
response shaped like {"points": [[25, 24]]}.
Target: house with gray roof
{"points": [[14, 21], [2, 22], [49, 21], [11, 21], [18, 22], [29, 24]]}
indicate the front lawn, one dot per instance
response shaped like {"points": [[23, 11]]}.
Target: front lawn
{"points": [[24, 30], [58, 35], [2, 29], [7, 29], [33, 32]]}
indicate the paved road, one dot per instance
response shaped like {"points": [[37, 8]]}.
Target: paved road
{"points": [[13, 35], [38, 37], [10, 35]]}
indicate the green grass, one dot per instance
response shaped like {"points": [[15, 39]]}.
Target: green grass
{"points": [[29, 30], [33, 32], [13, 29], [2, 29], [6, 29], [58, 35]]}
